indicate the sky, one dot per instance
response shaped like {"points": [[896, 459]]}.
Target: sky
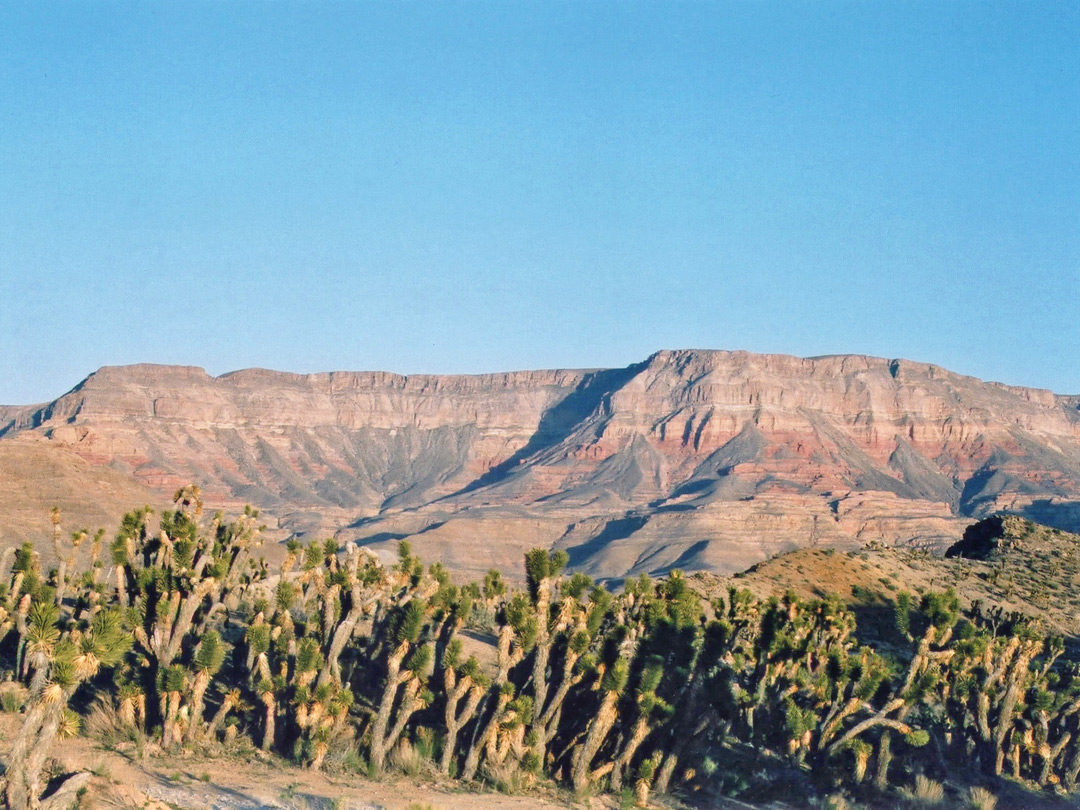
{"points": [[485, 186]]}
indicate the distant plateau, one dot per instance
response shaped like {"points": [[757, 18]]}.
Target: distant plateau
{"points": [[700, 460]]}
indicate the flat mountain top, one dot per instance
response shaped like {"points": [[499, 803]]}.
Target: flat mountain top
{"points": [[707, 460]]}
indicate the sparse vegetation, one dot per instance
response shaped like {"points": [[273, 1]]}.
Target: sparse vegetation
{"points": [[927, 792], [189, 640], [979, 798]]}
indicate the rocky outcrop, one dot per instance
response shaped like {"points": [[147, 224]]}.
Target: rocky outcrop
{"points": [[694, 459]]}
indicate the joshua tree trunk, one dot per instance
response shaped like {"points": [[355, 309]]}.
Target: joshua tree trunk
{"points": [[880, 718], [342, 633], [485, 736], [379, 747], [228, 703], [598, 729], [487, 731], [320, 754], [410, 703], [268, 730], [21, 790], [198, 694], [1073, 771], [884, 757], [549, 718], [169, 734], [626, 756], [455, 721], [121, 585], [31, 748]]}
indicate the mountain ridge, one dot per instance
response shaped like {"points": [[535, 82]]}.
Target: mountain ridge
{"points": [[703, 458]]}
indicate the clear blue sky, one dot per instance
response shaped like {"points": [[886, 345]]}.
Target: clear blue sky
{"points": [[484, 186]]}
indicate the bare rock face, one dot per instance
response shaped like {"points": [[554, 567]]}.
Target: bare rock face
{"points": [[691, 459]]}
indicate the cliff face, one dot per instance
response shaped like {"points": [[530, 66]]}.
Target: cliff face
{"points": [[690, 458]]}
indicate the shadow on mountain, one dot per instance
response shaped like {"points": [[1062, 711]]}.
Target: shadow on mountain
{"points": [[618, 529], [689, 558], [1065, 516], [386, 537], [560, 421]]}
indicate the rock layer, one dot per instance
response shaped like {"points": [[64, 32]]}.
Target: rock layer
{"points": [[695, 459]]}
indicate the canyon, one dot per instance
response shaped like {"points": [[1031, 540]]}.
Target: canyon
{"points": [[701, 460]]}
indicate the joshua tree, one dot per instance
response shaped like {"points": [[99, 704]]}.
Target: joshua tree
{"points": [[509, 652], [406, 673], [209, 656], [173, 584], [76, 657], [612, 685], [462, 680]]}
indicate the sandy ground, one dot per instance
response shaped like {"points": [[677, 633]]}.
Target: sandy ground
{"points": [[194, 782]]}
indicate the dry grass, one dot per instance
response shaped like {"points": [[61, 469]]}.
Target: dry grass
{"points": [[409, 760], [927, 792], [981, 799], [507, 777], [104, 725]]}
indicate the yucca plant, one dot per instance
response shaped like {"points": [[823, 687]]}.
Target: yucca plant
{"points": [[208, 660], [612, 684], [77, 656], [462, 680], [172, 584]]}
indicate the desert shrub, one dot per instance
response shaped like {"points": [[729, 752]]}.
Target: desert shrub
{"points": [[11, 701], [979, 798], [103, 724], [927, 792], [342, 755], [425, 742], [507, 777], [408, 759]]}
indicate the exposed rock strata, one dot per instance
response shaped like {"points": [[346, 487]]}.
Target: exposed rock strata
{"points": [[690, 458]]}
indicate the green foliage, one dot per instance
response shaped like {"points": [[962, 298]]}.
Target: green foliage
{"points": [[285, 595], [519, 614], [577, 585], [579, 642], [616, 676], [309, 656], [406, 561], [541, 565], [452, 654], [419, 660], [902, 613], [25, 559], [210, 654], [258, 638], [410, 621], [471, 669], [42, 630], [1042, 700], [494, 586], [941, 609], [797, 721], [917, 738], [110, 637], [681, 606], [174, 679]]}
